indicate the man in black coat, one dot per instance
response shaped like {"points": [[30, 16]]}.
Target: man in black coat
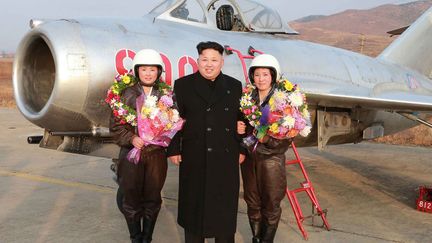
{"points": [[208, 149]]}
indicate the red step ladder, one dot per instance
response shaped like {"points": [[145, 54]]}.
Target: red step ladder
{"points": [[251, 51], [307, 187]]}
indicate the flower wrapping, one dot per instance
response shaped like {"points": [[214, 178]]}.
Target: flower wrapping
{"points": [[286, 114], [157, 122]]}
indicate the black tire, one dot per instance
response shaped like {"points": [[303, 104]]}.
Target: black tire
{"points": [[119, 199]]}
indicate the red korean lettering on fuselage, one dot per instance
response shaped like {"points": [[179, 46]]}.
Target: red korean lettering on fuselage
{"points": [[183, 63]]}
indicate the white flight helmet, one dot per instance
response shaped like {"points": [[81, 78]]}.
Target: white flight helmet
{"points": [[265, 61], [147, 57]]}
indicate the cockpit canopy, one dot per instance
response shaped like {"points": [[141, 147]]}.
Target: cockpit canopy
{"points": [[228, 15]]}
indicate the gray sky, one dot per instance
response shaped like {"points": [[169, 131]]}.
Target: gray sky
{"points": [[15, 14]]}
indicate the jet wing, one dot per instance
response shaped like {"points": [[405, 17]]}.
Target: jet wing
{"points": [[391, 101]]}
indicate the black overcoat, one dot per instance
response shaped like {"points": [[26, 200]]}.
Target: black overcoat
{"points": [[209, 146]]}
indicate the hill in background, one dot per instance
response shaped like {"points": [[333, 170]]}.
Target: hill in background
{"points": [[362, 31]]}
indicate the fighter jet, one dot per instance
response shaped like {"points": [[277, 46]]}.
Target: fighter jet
{"points": [[64, 67]]}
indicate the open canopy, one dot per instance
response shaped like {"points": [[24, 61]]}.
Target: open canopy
{"points": [[228, 15]]}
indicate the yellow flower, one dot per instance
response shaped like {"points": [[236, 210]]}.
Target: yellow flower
{"points": [[272, 103], [126, 79], [145, 111], [168, 126], [274, 128], [288, 85], [305, 113]]}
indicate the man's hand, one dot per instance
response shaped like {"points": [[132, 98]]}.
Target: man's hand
{"points": [[137, 142], [241, 127], [241, 158], [175, 159]]}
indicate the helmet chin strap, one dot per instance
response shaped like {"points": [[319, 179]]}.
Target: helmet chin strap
{"points": [[147, 85]]}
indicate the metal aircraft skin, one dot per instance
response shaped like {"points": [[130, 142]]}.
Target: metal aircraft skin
{"points": [[64, 67]]}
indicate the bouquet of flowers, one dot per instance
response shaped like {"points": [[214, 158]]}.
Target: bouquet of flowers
{"points": [[121, 111], [285, 115], [157, 120]]}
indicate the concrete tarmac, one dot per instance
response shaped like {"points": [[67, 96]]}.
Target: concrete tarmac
{"points": [[368, 189]]}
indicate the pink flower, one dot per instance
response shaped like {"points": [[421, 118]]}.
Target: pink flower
{"points": [[254, 108], [283, 130], [122, 112], [167, 100], [300, 122], [280, 105]]}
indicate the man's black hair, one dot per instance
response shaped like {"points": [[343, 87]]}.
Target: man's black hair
{"points": [[209, 45]]}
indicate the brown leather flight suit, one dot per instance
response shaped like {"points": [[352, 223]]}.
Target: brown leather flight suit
{"points": [[264, 182], [141, 183]]}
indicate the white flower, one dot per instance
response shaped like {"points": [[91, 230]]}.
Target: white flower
{"points": [[279, 95], [296, 99], [153, 113], [175, 116], [288, 122], [150, 101], [130, 118], [118, 104], [246, 100], [306, 130]]}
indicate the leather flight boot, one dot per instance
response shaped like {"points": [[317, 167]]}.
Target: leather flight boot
{"points": [[135, 231], [256, 230], [148, 227], [269, 232]]}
